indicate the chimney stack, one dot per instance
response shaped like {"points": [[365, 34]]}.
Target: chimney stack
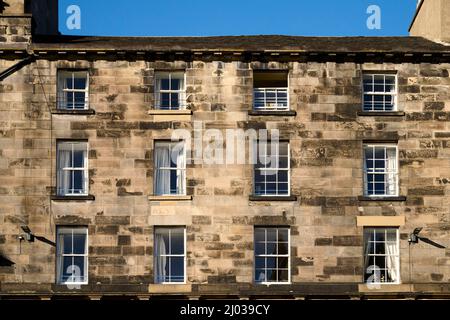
{"points": [[432, 20]]}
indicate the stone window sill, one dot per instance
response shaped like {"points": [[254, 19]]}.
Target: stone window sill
{"points": [[396, 198], [170, 198], [170, 112], [73, 198], [381, 113], [289, 113], [272, 198], [74, 112], [170, 288], [384, 288]]}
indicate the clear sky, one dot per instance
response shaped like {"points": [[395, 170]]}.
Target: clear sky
{"points": [[236, 17]]}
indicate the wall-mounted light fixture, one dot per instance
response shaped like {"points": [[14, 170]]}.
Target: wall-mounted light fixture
{"points": [[29, 236]]}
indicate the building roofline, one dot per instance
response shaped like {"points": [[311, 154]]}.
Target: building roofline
{"points": [[415, 15]]}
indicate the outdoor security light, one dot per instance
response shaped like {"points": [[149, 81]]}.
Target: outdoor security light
{"points": [[28, 235]]}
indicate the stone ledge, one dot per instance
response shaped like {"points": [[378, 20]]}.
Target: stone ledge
{"points": [[384, 287], [381, 113], [290, 113], [74, 112], [169, 112], [169, 198], [170, 288], [273, 198], [73, 198], [396, 198]]}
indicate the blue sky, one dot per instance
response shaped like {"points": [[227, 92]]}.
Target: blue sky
{"points": [[236, 17]]}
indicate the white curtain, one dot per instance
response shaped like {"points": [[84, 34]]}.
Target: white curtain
{"points": [[158, 94], [64, 176], [367, 251], [161, 259], [262, 276], [162, 177], [391, 166], [181, 165], [391, 251], [60, 263], [181, 95], [62, 94]]}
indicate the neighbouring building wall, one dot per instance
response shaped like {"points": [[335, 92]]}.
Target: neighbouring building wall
{"points": [[326, 173], [432, 21]]}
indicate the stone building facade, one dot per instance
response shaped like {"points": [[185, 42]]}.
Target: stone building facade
{"points": [[326, 209]]}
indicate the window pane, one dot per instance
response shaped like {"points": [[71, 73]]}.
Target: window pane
{"points": [[174, 101], [283, 235], [283, 162], [283, 188], [78, 269], [78, 181], [270, 175], [271, 234], [177, 241], [165, 84], [175, 84], [177, 269], [271, 262], [282, 262], [271, 188], [79, 243], [260, 234], [66, 271], [283, 176], [260, 263], [80, 83], [283, 275], [69, 101], [283, 248], [66, 243], [391, 235], [260, 248], [379, 153], [173, 182], [271, 248], [380, 164], [78, 158], [272, 275], [164, 100], [68, 81], [260, 275], [79, 99]]}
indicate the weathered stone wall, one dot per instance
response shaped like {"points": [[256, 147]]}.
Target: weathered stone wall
{"points": [[326, 171], [14, 31]]}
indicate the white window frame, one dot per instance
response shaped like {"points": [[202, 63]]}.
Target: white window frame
{"points": [[373, 93], [183, 170], [60, 256], [288, 169], [386, 172], [62, 76], [85, 169], [265, 256], [172, 255], [381, 255], [158, 91]]}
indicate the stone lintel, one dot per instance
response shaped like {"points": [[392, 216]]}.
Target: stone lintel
{"points": [[380, 221]]}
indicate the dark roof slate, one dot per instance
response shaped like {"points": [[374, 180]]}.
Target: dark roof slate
{"points": [[244, 43]]}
